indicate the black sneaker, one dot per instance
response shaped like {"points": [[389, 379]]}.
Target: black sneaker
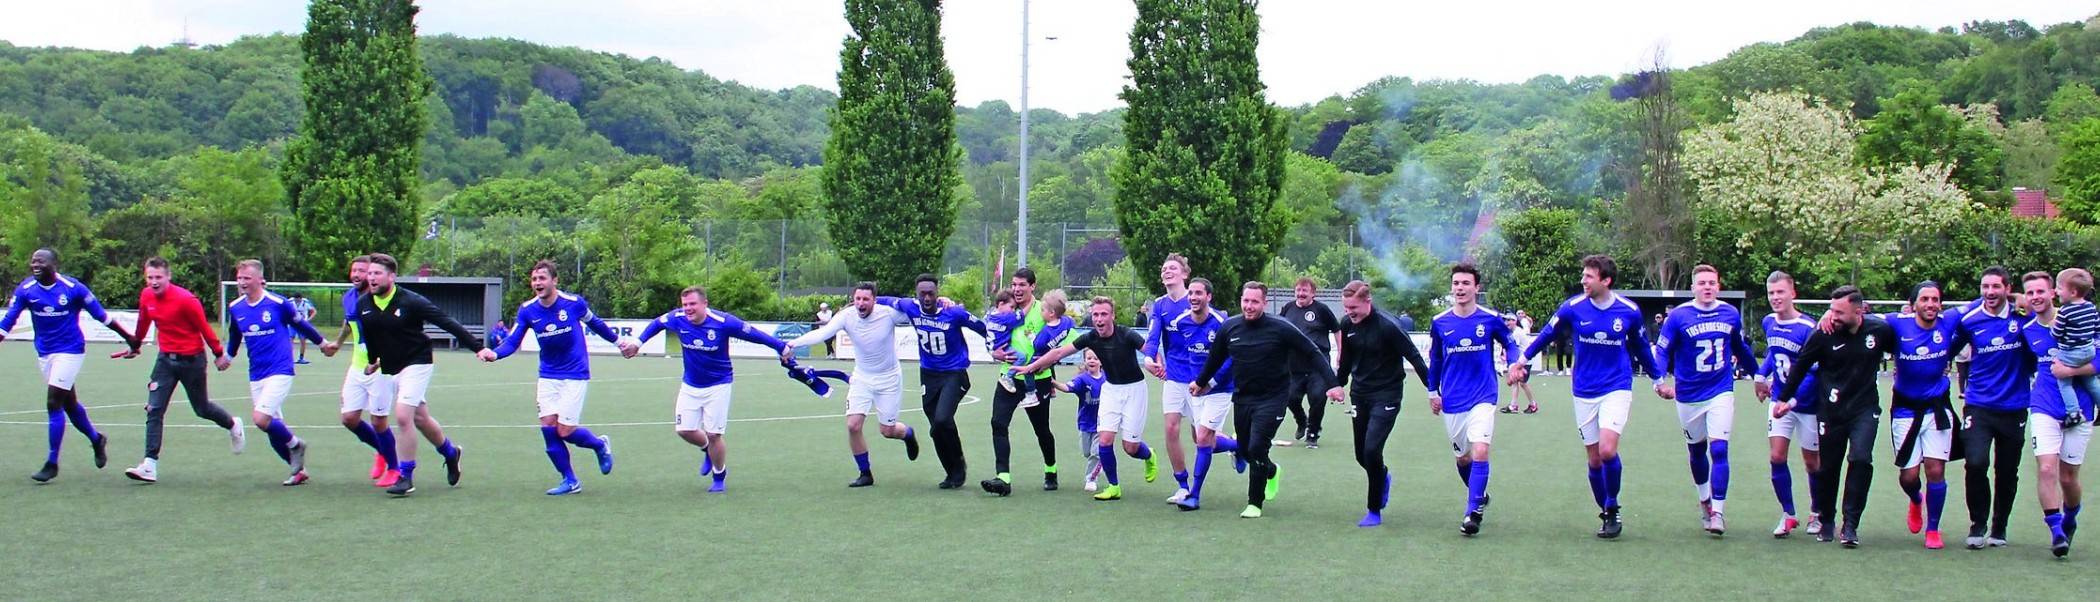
{"points": [[2060, 546], [997, 487], [1848, 536], [1611, 527], [2073, 419], [1049, 481], [1301, 434], [951, 483], [865, 480], [2070, 530], [1484, 499], [1312, 440], [1471, 526], [1824, 534], [911, 446], [452, 466], [49, 472], [1976, 537], [101, 450], [402, 487]]}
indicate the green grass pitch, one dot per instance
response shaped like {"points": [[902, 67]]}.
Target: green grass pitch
{"points": [[219, 526]]}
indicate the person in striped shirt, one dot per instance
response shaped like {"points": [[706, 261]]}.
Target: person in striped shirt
{"points": [[2076, 323]]}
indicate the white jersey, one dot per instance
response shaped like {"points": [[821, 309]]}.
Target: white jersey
{"points": [[874, 338]]}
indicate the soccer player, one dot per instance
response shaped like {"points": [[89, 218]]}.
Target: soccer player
{"points": [[1123, 403], [1702, 347], [702, 410], [1188, 341], [391, 320], [1373, 344], [54, 302], [1793, 420], [184, 335], [1605, 330], [1461, 383], [1173, 394], [2058, 451], [266, 322], [558, 320], [1318, 323], [1921, 415], [1262, 350], [1845, 362], [1034, 391], [944, 368], [878, 382], [361, 392], [305, 308], [1995, 400]]}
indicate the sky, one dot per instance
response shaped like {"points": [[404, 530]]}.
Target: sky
{"points": [[1310, 49]]}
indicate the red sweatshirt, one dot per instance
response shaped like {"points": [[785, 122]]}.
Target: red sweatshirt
{"points": [[181, 320]]}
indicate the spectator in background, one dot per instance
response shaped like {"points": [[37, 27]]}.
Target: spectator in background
{"points": [[824, 317], [496, 336], [305, 309]]}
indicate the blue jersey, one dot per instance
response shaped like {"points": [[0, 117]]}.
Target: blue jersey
{"points": [[706, 343], [1187, 344], [564, 354], [1783, 340], [1922, 356], [2045, 397], [1702, 347], [999, 328], [1999, 365], [942, 347], [1163, 310], [1087, 387], [1053, 335], [54, 311], [1607, 340], [1462, 358], [266, 327]]}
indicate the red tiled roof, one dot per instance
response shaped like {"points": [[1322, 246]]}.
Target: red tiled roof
{"points": [[2033, 202]]}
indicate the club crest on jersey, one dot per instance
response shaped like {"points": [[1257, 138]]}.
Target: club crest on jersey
{"points": [[266, 318], [1479, 330], [1211, 336], [1870, 345], [1936, 339], [1618, 325], [1308, 315], [562, 315], [710, 335]]}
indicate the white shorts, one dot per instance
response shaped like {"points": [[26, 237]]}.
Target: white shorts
{"points": [[702, 409], [267, 395], [2050, 438], [1710, 420], [1476, 425], [1211, 410], [1123, 410], [1174, 398], [563, 399], [1934, 443], [410, 388], [1797, 427], [881, 393], [365, 393], [60, 370], [1602, 413]]}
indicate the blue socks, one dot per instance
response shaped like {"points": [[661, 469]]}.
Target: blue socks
{"points": [[557, 452], [1476, 486], [1783, 485], [408, 469], [581, 437], [1181, 477], [1596, 484], [1719, 450], [55, 429], [861, 460], [280, 439], [1935, 502], [1144, 452], [1108, 464], [1226, 445], [1613, 470], [1702, 468], [1202, 470], [2071, 515], [78, 414], [387, 450], [447, 449], [2055, 520], [365, 434]]}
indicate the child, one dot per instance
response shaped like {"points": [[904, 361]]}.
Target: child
{"points": [[1087, 387], [1057, 330], [2076, 323], [1000, 323]]}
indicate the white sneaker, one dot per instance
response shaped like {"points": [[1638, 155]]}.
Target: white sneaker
{"points": [[1179, 494], [1815, 526], [239, 433], [1091, 486], [1029, 400], [144, 473], [1715, 524], [1786, 526]]}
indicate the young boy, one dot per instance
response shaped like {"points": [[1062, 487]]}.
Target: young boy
{"points": [[2076, 323], [1087, 387], [1000, 323]]}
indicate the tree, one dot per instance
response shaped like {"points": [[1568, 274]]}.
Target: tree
{"points": [[1913, 128], [1537, 258], [2071, 104], [238, 204], [350, 175], [1655, 220], [892, 178], [640, 250], [2030, 154], [43, 199], [1205, 158], [2078, 173], [1784, 171]]}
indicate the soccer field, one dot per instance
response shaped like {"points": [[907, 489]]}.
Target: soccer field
{"points": [[219, 526]]}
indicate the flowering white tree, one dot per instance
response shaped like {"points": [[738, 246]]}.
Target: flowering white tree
{"points": [[1784, 170]]}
